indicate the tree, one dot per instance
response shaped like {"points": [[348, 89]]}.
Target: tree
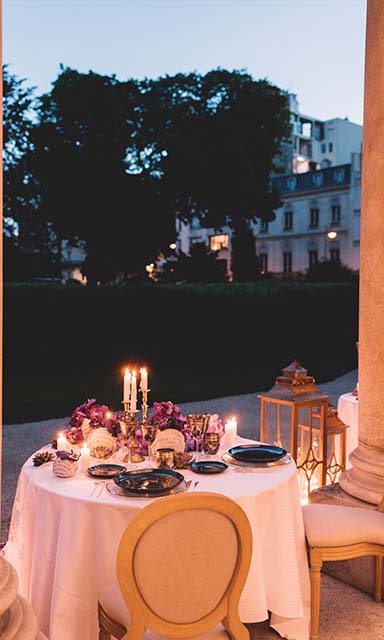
{"points": [[245, 263], [87, 127], [214, 138]]}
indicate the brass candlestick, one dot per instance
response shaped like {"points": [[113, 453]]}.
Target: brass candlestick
{"points": [[129, 431], [144, 405]]}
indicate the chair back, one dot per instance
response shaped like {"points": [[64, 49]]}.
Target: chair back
{"points": [[182, 564]]}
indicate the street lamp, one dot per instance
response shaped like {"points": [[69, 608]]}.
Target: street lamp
{"points": [[331, 235], [173, 246]]}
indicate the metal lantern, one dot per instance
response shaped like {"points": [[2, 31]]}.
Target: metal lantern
{"points": [[299, 420]]}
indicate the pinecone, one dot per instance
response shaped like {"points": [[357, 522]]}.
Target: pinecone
{"points": [[42, 457]]}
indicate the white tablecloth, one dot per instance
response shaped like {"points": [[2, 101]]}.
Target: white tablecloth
{"points": [[63, 543], [348, 410]]}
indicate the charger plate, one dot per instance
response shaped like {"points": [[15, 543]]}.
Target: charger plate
{"points": [[115, 490], [105, 470], [256, 465], [257, 452]]}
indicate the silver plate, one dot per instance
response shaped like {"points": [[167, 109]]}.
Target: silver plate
{"points": [[115, 490], [256, 465]]}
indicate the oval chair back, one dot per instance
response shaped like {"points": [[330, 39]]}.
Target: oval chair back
{"points": [[182, 564]]}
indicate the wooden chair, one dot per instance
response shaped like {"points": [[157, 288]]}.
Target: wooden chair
{"points": [[182, 563], [340, 533]]}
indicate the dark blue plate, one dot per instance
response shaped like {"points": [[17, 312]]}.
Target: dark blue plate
{"points": [[257, 453], [208, 466], [105, 470], [149, 481]]}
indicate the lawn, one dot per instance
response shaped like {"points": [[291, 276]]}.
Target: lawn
{"points": [[63, 345]]}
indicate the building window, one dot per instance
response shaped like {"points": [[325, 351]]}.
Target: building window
{"points": [[313, 257], [323, 148], [264, 226], [335, 217], [219, 242], [288, 220], [287, 262], [334, 255], [330, 147], [314, 218], [263, 257]]}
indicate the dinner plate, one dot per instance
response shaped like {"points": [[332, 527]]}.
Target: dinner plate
{"points": [[277, 464], [105, 470], [148, 481], [208, 466], [255, 453], [115, 490]]}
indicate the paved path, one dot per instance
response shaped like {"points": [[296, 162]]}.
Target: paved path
{"points": [[21, 440]]}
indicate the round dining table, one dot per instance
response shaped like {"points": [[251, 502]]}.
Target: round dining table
{"points": [[65, 533]]}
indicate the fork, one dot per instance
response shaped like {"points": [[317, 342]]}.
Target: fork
{"points": [[96, 483]]}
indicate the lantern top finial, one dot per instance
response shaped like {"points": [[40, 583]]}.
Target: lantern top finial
{"points": [[295, 370]]}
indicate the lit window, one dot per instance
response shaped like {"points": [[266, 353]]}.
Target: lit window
{"points": [[313, 257], [263, 257], [314, 218], [264, 226], [335, 214], [288, 220], [287, 262], [219, 242]]}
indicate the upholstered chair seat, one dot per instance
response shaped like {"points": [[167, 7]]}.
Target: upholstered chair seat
{"points": [[340, 533], [333, 526]]}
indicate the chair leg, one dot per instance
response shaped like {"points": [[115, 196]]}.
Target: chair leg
{"points": [[316, 564], [379, 579]]}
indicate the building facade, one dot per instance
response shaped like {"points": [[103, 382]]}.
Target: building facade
{"points": [[319, 220]]}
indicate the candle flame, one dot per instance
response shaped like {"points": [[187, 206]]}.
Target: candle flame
{"points": [[134, 373], [126, 371], [108, 415]]}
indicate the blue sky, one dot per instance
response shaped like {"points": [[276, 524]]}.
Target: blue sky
{"points": [[314, 48]]}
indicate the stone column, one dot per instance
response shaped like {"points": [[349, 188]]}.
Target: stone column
{"points": [[365, 480]]}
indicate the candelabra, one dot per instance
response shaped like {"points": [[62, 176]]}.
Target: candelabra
{"points": [[144, 405], [130, 428]]}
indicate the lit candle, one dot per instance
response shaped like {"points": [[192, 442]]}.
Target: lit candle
{"points": [[133, 392], [84, 458], [230, 432], [61, 442], [144, 379], [127, 386]]}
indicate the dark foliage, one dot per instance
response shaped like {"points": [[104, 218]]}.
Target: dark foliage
{"points": [[199, 341], [245, 263], [330, 271]]}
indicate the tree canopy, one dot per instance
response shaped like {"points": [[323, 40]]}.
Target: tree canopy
{"points": [[114, 163]]}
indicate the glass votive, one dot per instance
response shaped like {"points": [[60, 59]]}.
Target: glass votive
{"points": [[165, 458], [211, 443]]}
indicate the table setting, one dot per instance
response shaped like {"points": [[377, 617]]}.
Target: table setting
{"points": [[76, 496]]}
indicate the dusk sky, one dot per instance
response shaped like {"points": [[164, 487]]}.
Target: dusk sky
{"points": [[314, 48]]}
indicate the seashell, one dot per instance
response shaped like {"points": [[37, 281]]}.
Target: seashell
{"points": [[86, 429], [169, 438], [64, 468], [101, 443]]}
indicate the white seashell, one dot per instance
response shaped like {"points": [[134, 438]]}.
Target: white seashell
{"points": [[169, 438], [86, 429], [101, 443], [64, 468]]}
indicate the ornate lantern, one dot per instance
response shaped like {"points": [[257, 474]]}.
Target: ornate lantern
{"points": [[294, 415]]}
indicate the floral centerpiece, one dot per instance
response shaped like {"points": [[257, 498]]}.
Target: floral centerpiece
{"points": [[166, 415]]}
